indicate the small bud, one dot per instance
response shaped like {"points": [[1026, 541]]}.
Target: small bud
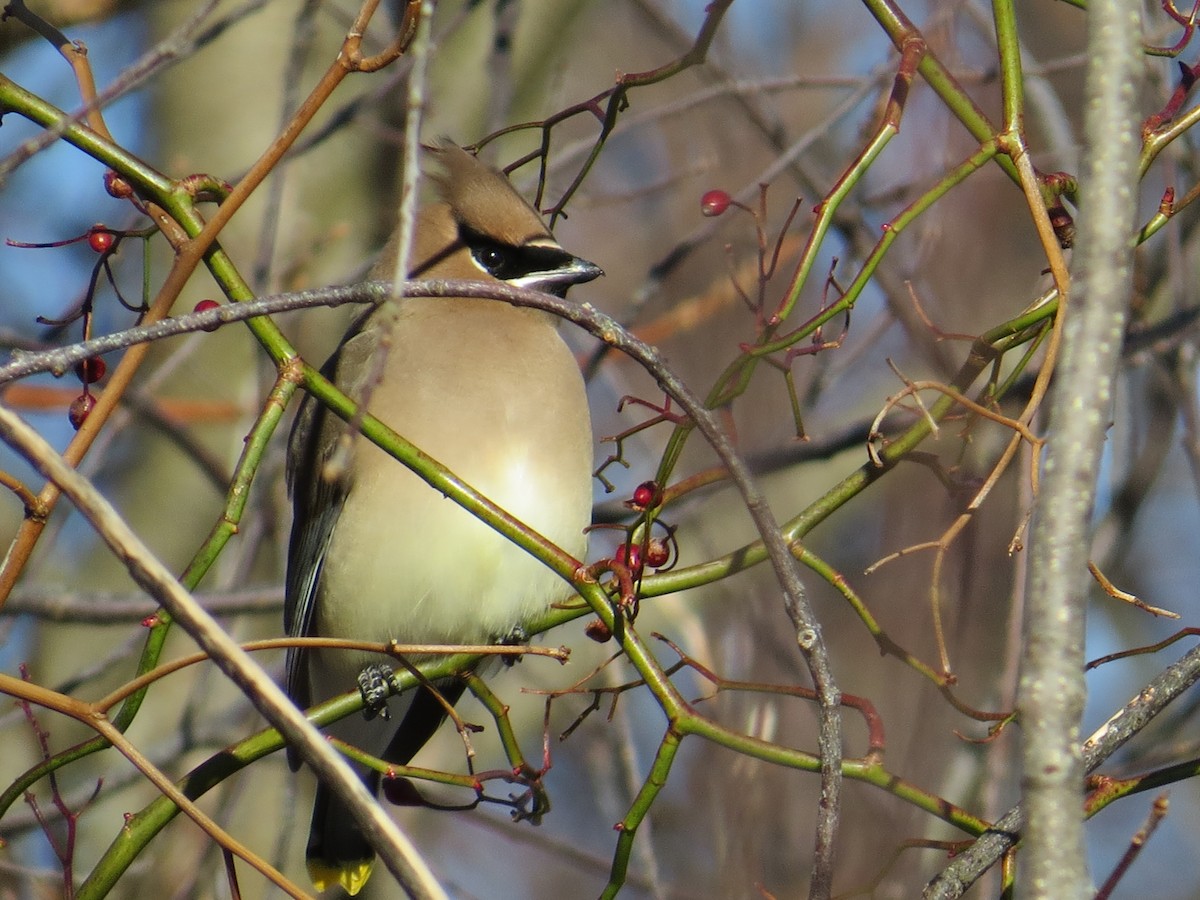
{"points": [[89, 371], [714, 202], [1063, 225], [208, 304], [80, 407], [597, 631], [100, 238], [117, 186], [150, 621]]}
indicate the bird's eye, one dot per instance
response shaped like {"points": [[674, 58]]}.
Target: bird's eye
{"points": [[492, 258]]}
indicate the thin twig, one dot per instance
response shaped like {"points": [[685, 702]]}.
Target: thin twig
{"points": [[256, 684]]}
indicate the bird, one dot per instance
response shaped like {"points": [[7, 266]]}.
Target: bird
{"points": [[492, 392]]}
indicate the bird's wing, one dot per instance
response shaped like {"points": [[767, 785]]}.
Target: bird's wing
{"points": [[318, 504], [421, 719], [317, 500]]}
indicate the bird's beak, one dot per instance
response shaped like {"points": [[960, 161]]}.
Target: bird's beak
{"points": [[557, 280], [580, 271]]}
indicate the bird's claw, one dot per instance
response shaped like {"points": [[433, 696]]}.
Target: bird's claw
{"points": [[375, 683]]}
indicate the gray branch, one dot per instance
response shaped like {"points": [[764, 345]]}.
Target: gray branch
{"points": [[1135, 715], [1052, 689]]}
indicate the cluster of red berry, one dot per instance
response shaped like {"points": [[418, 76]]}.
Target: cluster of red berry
{"points": [[654, 552], [89, 371], [103, 240]]}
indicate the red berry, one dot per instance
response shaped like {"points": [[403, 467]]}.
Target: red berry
{"points": [[657, 553], [100, 239], [208, 304], [89, 371], [646, 494], [714, 202], [630, 556], [79, 409]]}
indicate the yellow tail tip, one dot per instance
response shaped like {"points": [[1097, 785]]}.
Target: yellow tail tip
{"points": [[351, 876]]}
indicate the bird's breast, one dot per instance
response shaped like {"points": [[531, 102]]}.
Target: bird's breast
{"points": [[497, 399]]}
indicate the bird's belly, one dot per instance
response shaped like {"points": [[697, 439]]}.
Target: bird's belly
{"points": [[406, 563]]}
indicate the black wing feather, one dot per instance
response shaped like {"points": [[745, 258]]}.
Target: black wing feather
{"points": [[317, 504]]}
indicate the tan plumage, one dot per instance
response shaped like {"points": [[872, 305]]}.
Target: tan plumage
{"points": [[492, 392]]}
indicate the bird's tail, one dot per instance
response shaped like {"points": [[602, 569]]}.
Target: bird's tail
{"points": [[338, 851]]}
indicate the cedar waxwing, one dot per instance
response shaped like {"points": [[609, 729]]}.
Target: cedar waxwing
{"points": [[492, 392]]}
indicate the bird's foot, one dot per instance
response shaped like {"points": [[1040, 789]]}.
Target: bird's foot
{"points": [[376, 683], [516, 637]]}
